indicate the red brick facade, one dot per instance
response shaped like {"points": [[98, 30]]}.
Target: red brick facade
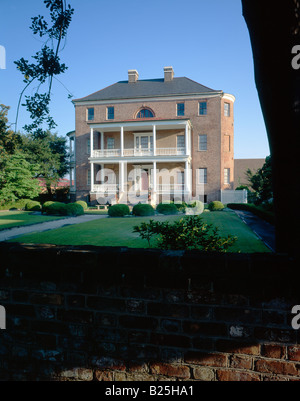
{"points": [[216, 128]]}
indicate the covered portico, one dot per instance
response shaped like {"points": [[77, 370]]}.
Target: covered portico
{"points": [[145, 146]]}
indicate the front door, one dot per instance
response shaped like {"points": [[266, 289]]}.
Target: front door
{"points": [[145, 180]]}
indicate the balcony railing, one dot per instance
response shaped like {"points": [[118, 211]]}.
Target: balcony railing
{"points": [[161, 188], [139, 152]]}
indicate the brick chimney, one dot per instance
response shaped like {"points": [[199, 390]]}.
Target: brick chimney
{"points": [[133, 76], [169, 74]]}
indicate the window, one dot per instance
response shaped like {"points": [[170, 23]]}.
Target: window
{"points": [[143, 142], [145, 113], [227, 109], [202, 108], [89, 177], [110, 143], [88, 146], [202, 142], [180, 141], [180, 109], [90, 114], [110, 113], [202, 175], [226, 176]]}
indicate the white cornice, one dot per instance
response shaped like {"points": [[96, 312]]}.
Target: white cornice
{"points": [[149, 99], [228, 96]]}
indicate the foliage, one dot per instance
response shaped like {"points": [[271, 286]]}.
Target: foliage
{"points": [[46, 205], [33, 206], [166, 208], [181, 206], [9, 141], [19, 204], [261, 182], [143, 210], [74, 209], [83, 204], [17, 178], [185, 234], [49, 151], [119, 210], [215, 206], [46, 64], [57, 209]]}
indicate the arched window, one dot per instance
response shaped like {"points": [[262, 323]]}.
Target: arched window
{"points": [[145, 113]]}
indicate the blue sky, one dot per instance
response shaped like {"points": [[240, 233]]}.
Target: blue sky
{"points": [[206, 41]]}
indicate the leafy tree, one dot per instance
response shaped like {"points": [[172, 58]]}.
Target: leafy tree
{"points": [[9, 141], [17, 178], [50, 153], [261, 182], [185, 234], [46, 65]]}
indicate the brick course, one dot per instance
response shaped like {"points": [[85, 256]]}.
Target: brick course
{"points": [[69, 317]]}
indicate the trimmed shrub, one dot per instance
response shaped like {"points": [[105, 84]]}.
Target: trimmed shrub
{"points": [[74, 209], [33, 206], [119, 210], [166, 208], [83, 204], [181, 206], [215, 206], [46, 205], [143, 209], [57, 209]]}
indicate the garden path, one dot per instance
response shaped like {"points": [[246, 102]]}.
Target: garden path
{"points": [[49, 225]]}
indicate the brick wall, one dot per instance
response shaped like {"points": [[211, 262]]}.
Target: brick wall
{"points": [[89, 313]]}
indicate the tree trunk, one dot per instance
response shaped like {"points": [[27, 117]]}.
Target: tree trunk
{"points": [[274, 31]]}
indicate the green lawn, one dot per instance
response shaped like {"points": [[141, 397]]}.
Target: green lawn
{"points": [[16, 219], [118, 232]]}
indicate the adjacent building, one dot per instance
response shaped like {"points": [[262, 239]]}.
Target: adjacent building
{"points": [[150, 140]]}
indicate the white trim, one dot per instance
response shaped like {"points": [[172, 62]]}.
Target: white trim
{"points": [[136, 124], [149, 99], [228, 96]]}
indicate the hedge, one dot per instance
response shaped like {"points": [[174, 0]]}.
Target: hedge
{"points": [[166, 208], [215, 206], [83, 204], [33, 206], [74, 209], [143, 209], [119, 210]]}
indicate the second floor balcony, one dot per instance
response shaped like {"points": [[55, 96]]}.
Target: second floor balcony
{"points": [[180, 151], [140, 139]]}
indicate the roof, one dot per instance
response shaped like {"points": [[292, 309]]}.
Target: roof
{"points": [[148, 88]]}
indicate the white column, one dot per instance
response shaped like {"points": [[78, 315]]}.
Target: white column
{"points": [[154, 140], [186, 177], [92, 142], [122, 141], [121, 176], [102, 140], [92, 177], [186, 137], [154, 177]]}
